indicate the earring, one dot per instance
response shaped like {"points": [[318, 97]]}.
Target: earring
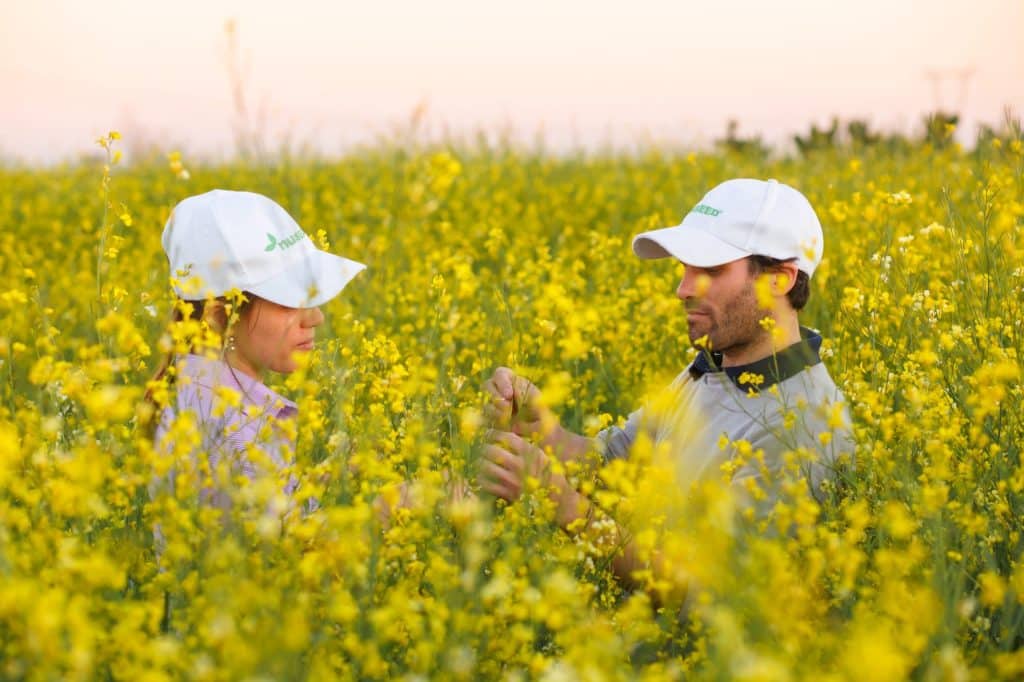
{"points": [[231, 343]]}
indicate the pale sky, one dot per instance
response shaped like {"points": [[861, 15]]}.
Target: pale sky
{"points": [[584, 71]]}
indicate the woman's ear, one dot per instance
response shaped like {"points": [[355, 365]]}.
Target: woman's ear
{"points": [[215, 315]]}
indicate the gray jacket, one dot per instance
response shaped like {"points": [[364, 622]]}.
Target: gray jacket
{"points": [[779, 405]]}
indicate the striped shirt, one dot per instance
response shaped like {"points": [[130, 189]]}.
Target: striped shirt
{"points": [[233, 411]]}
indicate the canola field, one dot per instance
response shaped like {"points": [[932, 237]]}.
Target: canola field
{"points": [[480, 257]]}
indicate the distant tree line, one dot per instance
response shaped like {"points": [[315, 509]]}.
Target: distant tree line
{"points": [[936, 130]]}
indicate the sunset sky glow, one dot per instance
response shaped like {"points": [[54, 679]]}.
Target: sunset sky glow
{"points": [[331, 75]]}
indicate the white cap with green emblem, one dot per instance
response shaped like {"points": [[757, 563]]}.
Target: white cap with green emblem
{"points": [[740, 218], [224, 240]]}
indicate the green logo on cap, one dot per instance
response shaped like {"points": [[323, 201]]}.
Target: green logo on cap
{"points": [[287, 242], [706, 210]]}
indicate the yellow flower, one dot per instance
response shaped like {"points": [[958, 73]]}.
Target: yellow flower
{"points": [[765, 292]]}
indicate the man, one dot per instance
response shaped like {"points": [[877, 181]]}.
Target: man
{"points": [[757, 386]]}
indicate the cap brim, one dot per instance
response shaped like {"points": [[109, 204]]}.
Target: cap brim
{"points": [[310, 282], [689, 246]]}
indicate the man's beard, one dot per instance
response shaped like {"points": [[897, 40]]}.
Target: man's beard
{"points": [[736, 326]]}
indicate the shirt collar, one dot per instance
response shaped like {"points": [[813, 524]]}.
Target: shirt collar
{"points": [[215, 372], [773, 369]]}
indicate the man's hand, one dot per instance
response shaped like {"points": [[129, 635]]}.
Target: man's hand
{"points": [[515, 403], [507, 462]]}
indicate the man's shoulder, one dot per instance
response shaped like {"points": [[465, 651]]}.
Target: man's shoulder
{"points": [[684, 377], [814, 380]]}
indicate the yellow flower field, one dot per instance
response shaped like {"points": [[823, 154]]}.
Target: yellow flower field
{"points": [[479, 257]]}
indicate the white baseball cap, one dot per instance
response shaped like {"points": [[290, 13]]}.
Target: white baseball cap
{"points": [[224, 240], [740, 218]]}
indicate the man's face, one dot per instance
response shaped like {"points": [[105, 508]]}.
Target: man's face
{"points": [[721, 303]]}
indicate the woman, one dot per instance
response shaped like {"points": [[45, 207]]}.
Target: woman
{"points": [[251, 280]]}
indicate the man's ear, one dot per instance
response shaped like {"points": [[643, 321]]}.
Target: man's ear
{"points": [[784, 277]]}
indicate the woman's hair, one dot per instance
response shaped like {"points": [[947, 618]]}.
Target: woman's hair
{"points": [[198, 312], [801, 291]]}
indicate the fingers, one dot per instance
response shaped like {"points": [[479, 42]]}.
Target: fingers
{"points": [[524, 390], [382, 511], [498, 411], [391, 499], [505, 385], [529, 457], [500, 387], [502, 384], [459, 491], [499, 456], [507, 462], [500, 473], [499, 481], [510, 441]]}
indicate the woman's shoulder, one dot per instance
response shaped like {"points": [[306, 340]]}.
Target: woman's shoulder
{"points": [[200, 370], [213, 384], [207, 396], [221, 405]]}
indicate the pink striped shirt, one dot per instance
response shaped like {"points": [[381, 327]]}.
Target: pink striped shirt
{"points": [[226, 429]]}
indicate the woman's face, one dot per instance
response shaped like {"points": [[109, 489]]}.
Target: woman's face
{"points": [[268, 335]]}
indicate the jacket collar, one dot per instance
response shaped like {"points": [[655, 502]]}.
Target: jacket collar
{"points": [[773, 369]]}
